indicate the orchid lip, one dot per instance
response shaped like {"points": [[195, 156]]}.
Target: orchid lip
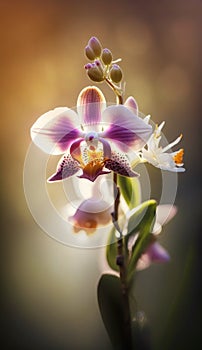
{"points": [[93, 169]]}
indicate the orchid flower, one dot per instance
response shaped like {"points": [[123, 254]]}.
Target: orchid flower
{"points": [[155, 252], [89, 139], [90, 214], [158, 156]]}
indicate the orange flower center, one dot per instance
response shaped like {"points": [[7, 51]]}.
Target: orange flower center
{"points": [[178, 158], [93, 169]]}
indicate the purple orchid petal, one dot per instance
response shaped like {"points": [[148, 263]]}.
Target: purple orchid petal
{"points": [[154, 253], [55, 130], [125, 128], [67, 167], [119, 164], [131, 104], [157, 253], [90, 104]]}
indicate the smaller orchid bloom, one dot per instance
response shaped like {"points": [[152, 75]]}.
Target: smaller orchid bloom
{"points": [[158, 156], [155, 252], [95, 140], [91, 214]]}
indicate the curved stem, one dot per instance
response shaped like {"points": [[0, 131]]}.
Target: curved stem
{"points": [[119, 95]]}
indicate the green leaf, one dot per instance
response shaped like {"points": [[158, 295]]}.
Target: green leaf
{"points": [[111, 250], [130, 189], [139, 218], [144, 238], [111, 308]]}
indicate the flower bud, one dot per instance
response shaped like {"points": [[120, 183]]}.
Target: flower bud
{"points": [[89, 53], [95, 46], [98, 65], [95, 72], [106, 56], [88, 66], [116, 73]]}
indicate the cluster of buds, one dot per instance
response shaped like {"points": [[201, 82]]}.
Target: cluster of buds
{"points": [[102, 66]]}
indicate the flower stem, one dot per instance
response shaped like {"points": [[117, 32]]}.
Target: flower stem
{"points": [[121, 259], [119, 95], [122, 271]]}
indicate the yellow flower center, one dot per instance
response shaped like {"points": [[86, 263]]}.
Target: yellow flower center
{"points": [[95, 155]]}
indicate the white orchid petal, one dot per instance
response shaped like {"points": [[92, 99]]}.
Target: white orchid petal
{"points": [[147, 118], [157, 228], [54, 131], [164, 213], [125, 128], [160, 127], [131, 104], [90, 104], [166, 148]]}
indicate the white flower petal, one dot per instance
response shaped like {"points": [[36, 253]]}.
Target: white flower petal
{"points": [[90, 104], [131, 104], [125, 128], [170, 145], [55, 130], [165, 212]]}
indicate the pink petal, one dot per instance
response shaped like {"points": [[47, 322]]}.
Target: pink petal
{"points": [[55, 130], [131, 104], [157, 253], [125, 128], [90, 104], [67, 167], [119, 164], [154, 253], [143, 263]]}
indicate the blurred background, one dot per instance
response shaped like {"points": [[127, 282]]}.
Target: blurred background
{"points": [[48, 290]]}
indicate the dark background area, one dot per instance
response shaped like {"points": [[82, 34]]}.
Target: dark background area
{"points": [[48, 289]]}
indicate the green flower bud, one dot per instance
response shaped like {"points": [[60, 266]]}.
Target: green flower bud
{"points": [[106, 56], [116, 73], [95, 73], [89, 53], [95, 46]]}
